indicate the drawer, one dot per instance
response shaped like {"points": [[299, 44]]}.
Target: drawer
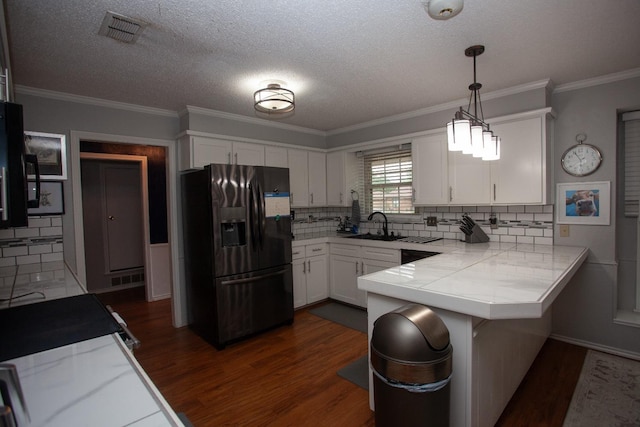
{"points": [[317, 249], [297, 252], [381, 254], [345, 250]]}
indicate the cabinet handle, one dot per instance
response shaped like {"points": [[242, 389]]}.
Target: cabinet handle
{"points": [[311, 196], [316, 250], [361, 267], [450, 193], [229, 158], [340, 197], [413, 194], [236, 157], [357, 268], [494, 192], [309, 269]]}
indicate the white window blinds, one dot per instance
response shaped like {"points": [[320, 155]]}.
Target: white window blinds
{"points": [[631, 122], [388, 182]]}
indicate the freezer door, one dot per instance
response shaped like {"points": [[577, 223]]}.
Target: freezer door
{"points": [[252, 302]]}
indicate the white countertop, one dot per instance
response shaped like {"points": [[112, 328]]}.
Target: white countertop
{"points": [[96, 382], [486, 280]]}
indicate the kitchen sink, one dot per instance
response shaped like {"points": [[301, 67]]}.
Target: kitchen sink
{"points": [[370, 236]]}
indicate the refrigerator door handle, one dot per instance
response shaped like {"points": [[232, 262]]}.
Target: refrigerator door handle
{"points": [[253, 278], [33, 159]]}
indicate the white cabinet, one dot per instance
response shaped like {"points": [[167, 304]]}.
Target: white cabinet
{"points": [[522, 175], [198, 151], [347, 262], [307, 178], [275, 156], [310, 274], [341, 178], [429, 157], [469, 180]]}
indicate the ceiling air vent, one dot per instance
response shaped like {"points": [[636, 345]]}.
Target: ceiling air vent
{"points": [[121, 28]]}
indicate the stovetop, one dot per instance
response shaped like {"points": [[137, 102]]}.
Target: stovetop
{"points": [[417, 239]]}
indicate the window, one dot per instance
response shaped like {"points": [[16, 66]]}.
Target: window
{"points": [[388, 182]]}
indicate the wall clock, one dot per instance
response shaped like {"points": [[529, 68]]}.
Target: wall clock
{"points": [[581, 159]]}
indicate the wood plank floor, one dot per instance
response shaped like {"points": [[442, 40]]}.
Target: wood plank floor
{"points": [[287, 376]]}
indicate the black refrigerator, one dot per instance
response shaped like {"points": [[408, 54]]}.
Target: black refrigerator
{"points": [[237, 250]]}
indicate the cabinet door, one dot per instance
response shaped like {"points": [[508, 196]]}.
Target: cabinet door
{"points": [[469, 180], [298, 178], [518, 176], [336, 195], [299, 267], [245, 153], [317, 178], [372, 266], [430, 173], [275, 156], [317, 276], [209, 150], [344, 275]]}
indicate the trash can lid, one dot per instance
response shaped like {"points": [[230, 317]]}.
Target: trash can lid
{"points": [[412, 333]]}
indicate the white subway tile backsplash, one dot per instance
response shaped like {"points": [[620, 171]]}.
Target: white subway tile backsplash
{"points": [[533, 209], [39, 222], [56, 221], [513, 231], [524, 217], [40, 249], [7, 234], [28, 259], [51, 231], [516, 208], [56, 256], [507, 239], [534, 232], [543, 217], [22, 233], [543, 240], [7, 261], [40, 242], [13, 251], [524, 239]]}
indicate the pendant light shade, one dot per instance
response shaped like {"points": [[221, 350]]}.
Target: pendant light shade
{"points": [[468, 132], [274, 99]]}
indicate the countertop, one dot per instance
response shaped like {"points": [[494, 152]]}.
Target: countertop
{"points": [[485, 280], [95, 382]]}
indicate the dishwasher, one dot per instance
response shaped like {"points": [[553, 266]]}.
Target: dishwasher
{"points": [[411, 255]]}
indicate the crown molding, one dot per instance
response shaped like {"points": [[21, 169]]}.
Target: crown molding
{"points": [[61, 96], [253, 120], [609, 78], [443, 107]]}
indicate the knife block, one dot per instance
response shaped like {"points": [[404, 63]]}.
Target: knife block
{"points": [[476, 236]]}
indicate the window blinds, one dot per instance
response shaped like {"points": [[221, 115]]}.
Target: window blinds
{"points": [[388, 182], [631, 121]]}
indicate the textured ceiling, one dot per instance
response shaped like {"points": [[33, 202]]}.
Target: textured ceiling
{"points": [[348, 61]]}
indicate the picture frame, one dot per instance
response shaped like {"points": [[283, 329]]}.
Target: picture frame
{"points": [[51, 198], [586, 203], [51, 151]]}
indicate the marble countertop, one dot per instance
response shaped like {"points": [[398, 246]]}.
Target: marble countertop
{"points": [[487, 280]]}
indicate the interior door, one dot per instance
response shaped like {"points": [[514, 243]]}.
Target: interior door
{"points": [[122, 216]]}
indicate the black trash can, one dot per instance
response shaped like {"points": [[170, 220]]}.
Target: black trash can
{"points": [[411, 360]]}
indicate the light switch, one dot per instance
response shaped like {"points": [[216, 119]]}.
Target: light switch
{"points": [[564, 230]]}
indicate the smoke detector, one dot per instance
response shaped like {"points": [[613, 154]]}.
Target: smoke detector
{"points": [[121, 28], [443, 9]]}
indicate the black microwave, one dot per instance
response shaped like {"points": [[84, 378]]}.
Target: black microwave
{"points": [[13, 175]]}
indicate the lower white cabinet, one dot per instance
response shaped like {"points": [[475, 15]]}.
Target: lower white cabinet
{"points": [[350, 261], [310, 274]]}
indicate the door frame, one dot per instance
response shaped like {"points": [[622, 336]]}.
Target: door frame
{"points": [[142, 161], [178, 298]]}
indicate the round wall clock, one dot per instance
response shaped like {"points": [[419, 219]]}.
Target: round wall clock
{"points": [[581, 159]]}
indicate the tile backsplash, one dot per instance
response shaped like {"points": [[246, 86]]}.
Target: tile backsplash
{"points": [[40, 241], [515, 224]]}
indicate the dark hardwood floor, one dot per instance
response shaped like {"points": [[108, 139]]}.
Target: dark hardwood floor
{"points": [[287, 376]]}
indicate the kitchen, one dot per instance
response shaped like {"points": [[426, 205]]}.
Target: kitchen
{"points": [[588, 106]]}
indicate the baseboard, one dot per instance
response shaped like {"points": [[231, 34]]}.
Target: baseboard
{"points": [[598, 347]]}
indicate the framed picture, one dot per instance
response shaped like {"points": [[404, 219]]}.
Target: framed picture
{"points": [[51, 151], [51, 198], [587, 203]]}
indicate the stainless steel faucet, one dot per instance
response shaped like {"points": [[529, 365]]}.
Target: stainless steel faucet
{"points": [[385, 228], [14, 413]]}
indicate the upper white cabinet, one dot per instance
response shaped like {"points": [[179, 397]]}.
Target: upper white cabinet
{"points": [[307, 178], [429, 157], [522, 175], [275, 156], [198, 151], [340, 178], [469, 180]]}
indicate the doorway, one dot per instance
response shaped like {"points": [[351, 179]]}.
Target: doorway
{"points": [[112, 199]]}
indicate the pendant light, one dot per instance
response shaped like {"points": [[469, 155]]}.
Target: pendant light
{"points": [[468, 132]]}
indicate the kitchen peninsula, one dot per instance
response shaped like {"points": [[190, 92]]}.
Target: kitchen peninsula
{"points": [[495, 300]]}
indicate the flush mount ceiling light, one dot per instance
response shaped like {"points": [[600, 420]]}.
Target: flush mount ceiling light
{"points": [[443, 9], [274, 99], [468, 132]]}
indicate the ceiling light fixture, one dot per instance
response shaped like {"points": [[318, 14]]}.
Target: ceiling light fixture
{"points": [[469, 132], [443, 9], [274, 99]]}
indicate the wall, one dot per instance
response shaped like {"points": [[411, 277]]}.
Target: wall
{"points": [[585, 311]]}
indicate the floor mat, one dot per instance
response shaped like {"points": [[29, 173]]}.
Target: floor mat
{"points": [[607, 393], [350, 317], [357, 372]]}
